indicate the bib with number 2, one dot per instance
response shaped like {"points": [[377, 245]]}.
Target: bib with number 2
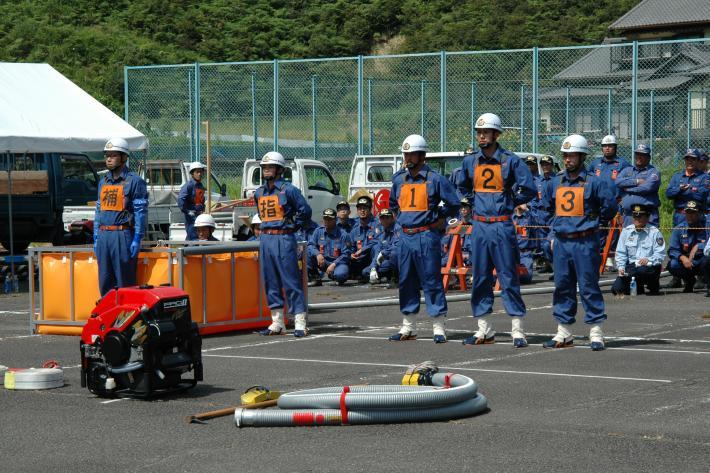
{"points": [[413, 198], [488, 178], [569, 202]]}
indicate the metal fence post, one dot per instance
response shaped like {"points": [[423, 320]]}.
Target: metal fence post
{"points": [[473, 113], [567, 110], [634, 93], [442, 100], [359, 105], [650, 124], [522, 116], [608, 112], [314, 110], [125, 93], [276, 104], [688, 119], [535, 93], [253, 115], [370, 128], [190, 106], [196, 123]]}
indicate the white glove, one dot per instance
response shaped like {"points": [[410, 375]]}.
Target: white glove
{"points": [[380, 258], [191, 213], [373, 276]]}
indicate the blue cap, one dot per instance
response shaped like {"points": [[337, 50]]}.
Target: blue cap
{"points": [[643, 149], [693, 153], [703, 154]]}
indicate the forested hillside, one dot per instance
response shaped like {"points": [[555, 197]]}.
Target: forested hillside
{"points": [[91, 41]]}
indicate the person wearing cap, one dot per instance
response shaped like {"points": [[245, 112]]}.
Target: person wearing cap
{"points": [[688, 242], [344, 220], [191, 199], [447, 238], [120, 220], [422, 200], [329, 251], [580, 200], [688, 184], [544, 214], [532, 238], [204, 227], [362, 237], [639, 254], [526, 223], [283, 210], [638, 185], [387, 234], [495, 181], [608, 166], [255, 228]]}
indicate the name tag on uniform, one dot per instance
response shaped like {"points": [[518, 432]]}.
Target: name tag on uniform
{"points": [[199, 196], [413, 198], [112, 198], [270, 210], [569, 202], [488, 178]]}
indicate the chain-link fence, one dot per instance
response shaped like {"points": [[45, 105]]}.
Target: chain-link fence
{"points": [[330, 109]]}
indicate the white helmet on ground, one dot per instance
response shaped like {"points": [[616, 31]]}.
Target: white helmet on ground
{"points": [[575, 144], [489, 121], [117, 144], [255, 220], [205, 220], [414, 143], [196, 165], [609, 140], [273, 157]]}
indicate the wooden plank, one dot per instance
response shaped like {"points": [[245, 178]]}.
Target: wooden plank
{"points": [[25, 182]]}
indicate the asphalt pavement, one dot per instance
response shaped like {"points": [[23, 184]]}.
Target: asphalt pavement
{"points": [[642, 405]]}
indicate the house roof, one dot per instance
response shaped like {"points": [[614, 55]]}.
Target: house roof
{"points": [[655, 13]]}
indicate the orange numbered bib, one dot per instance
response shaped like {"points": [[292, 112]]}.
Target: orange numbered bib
{"points": [[270, 209], [199, 196], [488, 178], [112, 198], [569, 202], [413, 198]]}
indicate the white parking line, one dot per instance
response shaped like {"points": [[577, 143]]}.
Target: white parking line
{"points": [[392, 365]]}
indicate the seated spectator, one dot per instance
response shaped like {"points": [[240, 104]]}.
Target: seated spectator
{"points": [[328, 252], [384, 264], [344, 220], [687, 246], [362, 237], [639, 254], [255, 228]]}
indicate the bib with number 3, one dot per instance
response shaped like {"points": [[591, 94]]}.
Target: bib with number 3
{"points": [[112, 198], [270, 210], [569, 202], [413, 198], [488, 178]]}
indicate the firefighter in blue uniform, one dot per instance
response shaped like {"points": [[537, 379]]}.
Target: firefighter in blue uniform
{"points": [[384, 263], [362, 237], [544, 216], [688, 184], [282, 210], [120, 221], [638, 185], [639, 254], [191, 199], [329, 251], [495, 181], [580, 201], [255, 228], [446, 240], [416, 193], [526, 221], [204, 227], [344, 220], [687, 246]]}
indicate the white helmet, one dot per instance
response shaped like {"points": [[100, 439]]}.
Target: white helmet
{"points": [[575, 144], [273, 157], [414, 143], [117, 144], [489, 121], [609, 140], [196, 165], [205, 220], [255, 220]]}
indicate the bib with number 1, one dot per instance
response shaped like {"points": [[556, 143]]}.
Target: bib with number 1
{"points": [[112, 198], [569, 202], [270, 210], [413, 198], [488, 178]]}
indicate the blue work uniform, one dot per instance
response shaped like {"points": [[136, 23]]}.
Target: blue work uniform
{"points": [[362, 237], [698, 189], [683, 239], [608, 171], [335, 248], [639, 186], [527, 243], [415, 201], [282, 211], [386, 243], [495, 186], [544, 218], [635, 245], [346, 225], [120, 220], [579, 205], [191, 201]]}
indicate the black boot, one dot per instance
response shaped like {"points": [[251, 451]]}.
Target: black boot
{"points": [[674, 283], [689, 283]]}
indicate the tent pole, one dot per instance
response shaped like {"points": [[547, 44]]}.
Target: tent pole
{"points": [[9, 212]]}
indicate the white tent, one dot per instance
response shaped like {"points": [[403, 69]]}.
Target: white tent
{"points": [[43, 111]]}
